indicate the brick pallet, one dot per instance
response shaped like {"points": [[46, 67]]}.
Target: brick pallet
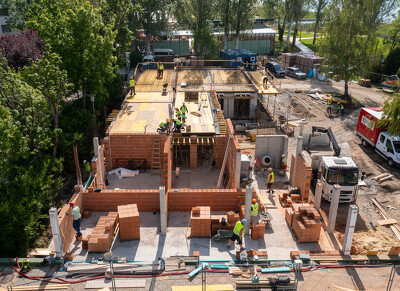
{"points": [[102, 235], [129, 225], [200, 221], [305, 222]]}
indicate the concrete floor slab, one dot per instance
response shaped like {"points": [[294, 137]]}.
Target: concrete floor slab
{"points": [[200, 178], [141, 181]]}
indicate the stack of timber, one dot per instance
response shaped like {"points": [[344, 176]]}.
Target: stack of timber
{"points": [[120, 268], [394, 227]]}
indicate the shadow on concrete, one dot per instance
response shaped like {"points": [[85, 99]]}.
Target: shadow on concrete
{"points": [[356, 278], [200, 244]]}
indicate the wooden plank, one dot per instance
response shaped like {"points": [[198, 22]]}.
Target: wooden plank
{"points": [[42, 287], [387, 221], [394, 227]]}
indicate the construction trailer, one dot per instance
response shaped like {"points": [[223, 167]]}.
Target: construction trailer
{"points": [[244, 58]]}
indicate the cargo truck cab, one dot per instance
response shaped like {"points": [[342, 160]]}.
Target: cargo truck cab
{"points": [[388, 146], [338, 170]]}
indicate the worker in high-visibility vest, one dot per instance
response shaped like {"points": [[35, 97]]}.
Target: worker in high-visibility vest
{"points": [[132, 86], [161, 71], [178, 114], [270, 181], [284, 163], [340, 109], [238, 233], [88, 168], [183, 108], [158, 69], [329, 106], [177, 125], [254, 212], [76, 214], [163, 126]]}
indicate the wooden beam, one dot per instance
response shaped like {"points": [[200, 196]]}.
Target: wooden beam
{"points": [[224, 163]]}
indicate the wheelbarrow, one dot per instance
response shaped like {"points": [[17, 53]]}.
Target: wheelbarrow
{"points": [[223, 234], [266, 218]]}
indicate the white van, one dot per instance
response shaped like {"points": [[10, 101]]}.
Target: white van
{"points": [[163, 55], [388, 146]]}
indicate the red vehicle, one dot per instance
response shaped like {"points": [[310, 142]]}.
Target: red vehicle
{"points": [[386, 145]]}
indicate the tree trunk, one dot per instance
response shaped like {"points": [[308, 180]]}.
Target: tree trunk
{"points": [[237, 42], [238, 23], [290, 30], [295, 33], [282, 30], [147, 30], [226, 23], [316, 26], [346, 87], [84, 98]]}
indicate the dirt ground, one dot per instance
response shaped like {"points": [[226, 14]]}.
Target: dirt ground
{"points": [[369, 235]]}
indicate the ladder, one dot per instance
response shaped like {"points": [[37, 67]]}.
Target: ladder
{"points": [[156, 157]]}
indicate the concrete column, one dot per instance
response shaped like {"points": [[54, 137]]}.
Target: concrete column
{"points": [[333, 209], [247, 208], [96, 146], [350, 227], [299, 148], [318, 195], [193, 152], [55, 229], [163, 211]]}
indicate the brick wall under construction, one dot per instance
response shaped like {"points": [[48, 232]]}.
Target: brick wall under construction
{"points": [[108, 200], [123, 147], [303, 174], [65, 221], [98, 170], [233, 161]]}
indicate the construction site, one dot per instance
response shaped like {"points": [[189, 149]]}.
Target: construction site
{"points": [[161, 203]]}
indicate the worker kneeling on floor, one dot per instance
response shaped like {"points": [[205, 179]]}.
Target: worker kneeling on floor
{"points": [[163, 126], [238, 233]]}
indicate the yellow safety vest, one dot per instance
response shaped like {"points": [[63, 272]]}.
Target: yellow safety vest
{"points": [[340, 107], [329, 103], [254, 212], [178, 114], [161, 67], [238, 227], [131, 83], [183, 109], [270, 178], [284, 161], [178, 122]]}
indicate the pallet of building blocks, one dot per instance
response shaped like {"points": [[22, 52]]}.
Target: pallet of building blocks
{"points": [[102, 235], [200, 221], [129, 224], [305, 222]]}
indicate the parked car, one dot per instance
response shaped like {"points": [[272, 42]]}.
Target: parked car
{"points": [[275, 69], [295, 73], [392, 83], [149, 62], [164, 55]]}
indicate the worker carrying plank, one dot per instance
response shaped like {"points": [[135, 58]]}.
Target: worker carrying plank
{"points": [[132, 86], [238, 232]]}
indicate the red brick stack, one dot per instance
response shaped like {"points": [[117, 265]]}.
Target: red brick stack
{"points": [[129, 225], [103, 234], [287, 199], [85, 242], [200, 225], [305, 221], [257, 231]]}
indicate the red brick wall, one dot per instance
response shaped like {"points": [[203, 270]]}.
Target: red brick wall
{"points": [[65, 221], [217, 199], [303, 174], [166, 156], [130, 146], [232, 157], [108, 200], [219, 150], [193, 152]]}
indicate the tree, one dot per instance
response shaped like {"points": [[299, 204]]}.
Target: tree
{"points": [[29, 179], [344, 40], [320, 5], [46, 76], [300, 10], [21, 48], [197, 14], [392, 62], [391, 114], [394, 33], [278, 9], [74, 29], [243, 17], [226, 7], [17, 10]]}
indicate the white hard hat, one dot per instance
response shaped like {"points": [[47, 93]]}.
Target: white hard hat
{"points": [[84, 161], [283, 155]]}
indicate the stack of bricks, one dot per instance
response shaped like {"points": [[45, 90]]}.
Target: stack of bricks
{"points": [[257, 231], [303, 174], [200, 222], [216, 223], [305, 221], [287, 199], [261, 254], [85, 242], [129, 225], [102, 235]]}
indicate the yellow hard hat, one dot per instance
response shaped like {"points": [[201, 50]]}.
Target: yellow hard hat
{"points": [[338, 102]]}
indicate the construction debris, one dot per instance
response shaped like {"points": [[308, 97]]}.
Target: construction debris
{"points": [[394, 227]]}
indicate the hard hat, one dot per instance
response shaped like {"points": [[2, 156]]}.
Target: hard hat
{"points": [[183, 103], [244, 221], [159, 62], [338, 103], [84, 161], [254, 200], [131, 78], [71, 204], [283, 155], [270, 169], [176, 109]]}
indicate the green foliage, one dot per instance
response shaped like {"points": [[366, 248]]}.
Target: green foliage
{"points": [[391, 115], [205, 44], [74, 29], [29, 178], [17, 10], [392, 63], [135, 58]]}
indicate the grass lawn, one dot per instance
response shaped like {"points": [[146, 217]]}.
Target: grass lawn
{"points": [[303, 34], [280, 46], [308, 43]]}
